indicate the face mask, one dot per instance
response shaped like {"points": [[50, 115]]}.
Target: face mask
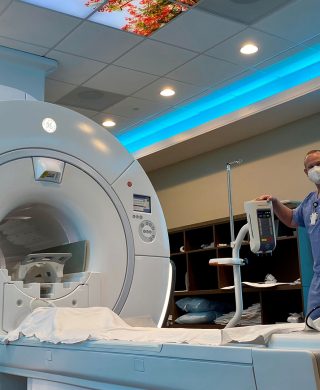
{"points": [[314, 174]]}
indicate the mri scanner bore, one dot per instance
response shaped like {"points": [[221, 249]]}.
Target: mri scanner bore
{"points": [[80, 223]]}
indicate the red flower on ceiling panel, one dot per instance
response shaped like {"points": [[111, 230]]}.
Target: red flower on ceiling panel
{"points": [[143, 16]]}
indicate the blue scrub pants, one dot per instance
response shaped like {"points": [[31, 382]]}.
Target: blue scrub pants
{"points": [[314, 296]]}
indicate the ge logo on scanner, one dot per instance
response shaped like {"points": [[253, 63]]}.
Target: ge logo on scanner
{"points": [[49, 125]]}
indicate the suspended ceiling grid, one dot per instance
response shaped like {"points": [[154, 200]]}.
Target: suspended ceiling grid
{"points": [[107, 73]]}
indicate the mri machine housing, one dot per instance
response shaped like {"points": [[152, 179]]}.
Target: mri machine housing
{"points": [[100, 195], [127, 269]]}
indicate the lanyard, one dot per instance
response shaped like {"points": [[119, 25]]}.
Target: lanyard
{"points": [[314, 214]]}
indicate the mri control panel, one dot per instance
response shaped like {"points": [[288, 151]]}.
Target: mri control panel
{"points": [[142, 206]]}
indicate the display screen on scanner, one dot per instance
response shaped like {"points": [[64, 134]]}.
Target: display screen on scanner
{"points": [[141, 203]]}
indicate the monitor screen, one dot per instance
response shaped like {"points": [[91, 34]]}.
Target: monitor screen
{"points": [[142, 203]]}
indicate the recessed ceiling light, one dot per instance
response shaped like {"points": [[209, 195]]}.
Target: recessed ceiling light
{"points": [[167, 92], [108, 123], [249, 48]]}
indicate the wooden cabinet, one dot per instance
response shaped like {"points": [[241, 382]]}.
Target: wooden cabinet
{"points": [[193, 246]]}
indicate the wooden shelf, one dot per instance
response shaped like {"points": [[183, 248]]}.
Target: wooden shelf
{"points": [[284, 238], [195, 278], [202, 250], [197, 326]]}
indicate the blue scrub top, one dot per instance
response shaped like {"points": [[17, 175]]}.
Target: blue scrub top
{"points": [[301, 216]]}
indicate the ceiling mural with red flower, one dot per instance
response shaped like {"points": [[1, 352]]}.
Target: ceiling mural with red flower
{"points": [[141, 17]]}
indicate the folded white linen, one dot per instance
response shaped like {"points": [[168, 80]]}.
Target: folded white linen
{"points": [[259, 334], [163, 335], [65, 324], [72, 325]]}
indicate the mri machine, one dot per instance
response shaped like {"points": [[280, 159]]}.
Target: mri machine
{"points": [[75, 184], [65, 182]]}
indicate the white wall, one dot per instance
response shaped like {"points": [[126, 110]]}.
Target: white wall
{"points": [[195, 190]]}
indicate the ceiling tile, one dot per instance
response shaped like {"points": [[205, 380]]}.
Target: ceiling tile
{"points": [[4, 4], [35, 25], [152, 117], [120, 80], [268, 45], [246, 11], [136, 108], [155, 57], [216, 87], [211, 29], [282, 56], [98, 42], [205, 71], [27, 47], [196, 97], [297, 22], [313, 42], [183, 91], [73, 69], [83, 111], [71, 7], [130, 127], [227, 82], [90, 99], [54, 90]]}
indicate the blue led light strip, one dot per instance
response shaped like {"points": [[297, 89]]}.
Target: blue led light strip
{"points": [[289, 73]]}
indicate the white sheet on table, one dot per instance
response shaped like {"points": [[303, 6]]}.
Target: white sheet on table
{"points": [[72, 325], [259, 334]]}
